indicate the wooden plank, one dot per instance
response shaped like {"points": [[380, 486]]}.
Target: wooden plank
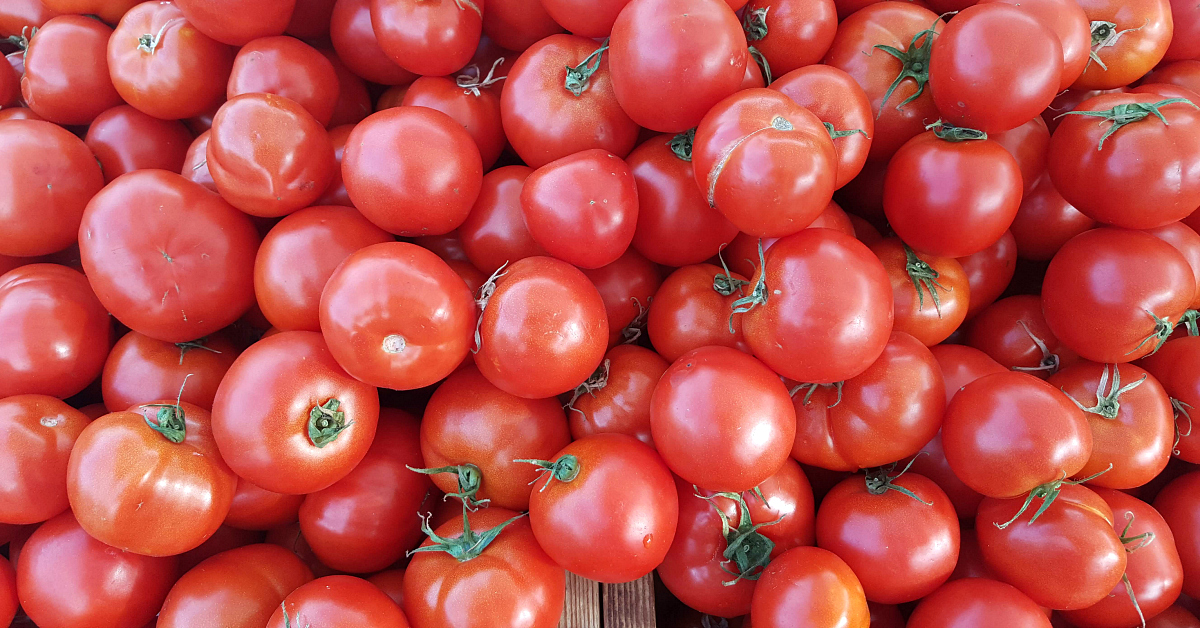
{"points": [[629, 605], [582, 608]]}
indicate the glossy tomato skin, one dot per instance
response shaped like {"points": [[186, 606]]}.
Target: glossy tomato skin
{"points": [[802, 306], [9, 603], [512, 583], [688, 312], [18, 15], [1046, 221], [1069, 22], [195, 162], [543, 117], [238, 22], [622, 404], [263, 409], [494, 233], [951, 198], [914, 310], [627, 286], [428, 38], [589, 19], [539, 299], [812, 586], [1134, 52], [516, 25], [1028, 145], [54, 334], [412, 171], [978, 603], [797, 33], [476, 109], [140, 369], [470, 421], [1179, 505], [721, 419], [353, 36], [167, 257], [53, 176], [834, 97], [125, 139], [110, 587], [269, 156], [1009, 331], [297, 257], [238, 588], [666, 80], [1079, 301], [990, 271], [1187, 242], [391, 582], [255, 508], [338, 601], [1175, 366], [36, 432], [66, 71], [288, 67]]}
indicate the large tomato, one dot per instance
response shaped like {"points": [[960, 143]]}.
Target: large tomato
{"points": [[691, 309], [790, 34], [1177, 366], [809, 586], [1013, 332], [930, 319], [619, 399], [66, 70], [239, 588], [494, 233], [978, 603], [288, 67], [516, 24], [238, 22], [466, 100], [141, 369], [125, 139], [343, 601], [428, 38], [36, 432], [836, 99], [1129, 37], [353, 37], [1046, 221], [1179, 505]]}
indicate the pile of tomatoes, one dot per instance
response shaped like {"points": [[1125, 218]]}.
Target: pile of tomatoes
{"points": [[391, 313]]}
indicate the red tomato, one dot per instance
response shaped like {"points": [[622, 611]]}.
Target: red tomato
{"points": [[166, 257], [1046, 221], [1176, 367], [618, 401], [960, 366], [691, 309], [721, 419], [238, 22], [125, 139], [1179, 505], [990, 271], [1187, 242], [288, 428], [517, 25], [195, 162], [141, 369], [478, 110], [239, 588], [543, 330], [353, 37], [912, 277], [19, 15], [286, 67], [353, 100], [54, 334], [672, 60], [811, 586], [336, 194], [338, 601], [412, 171], [494, 233], [627, 287], [1174, 617], [1132, 285], [391, 582], [1014, 333], [1027, 144], [742, 252], [836, 99], [949, 197], [9, 603], [582, 208], [66, 70], [163, 66], [310, 19], [587, 18], [52, 177], [1185, 74], [1129, 37], [978, 603], [1067, 19], [254, 508], [429, 38], [476, 431], [36, 432], [931, 463], [790, 34]]}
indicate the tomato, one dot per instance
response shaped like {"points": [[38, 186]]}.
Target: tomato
{"points": [[979, 603], [163, 66], [52, 177], [812, 586], [1175, 366], [836, 99], [672, 60], [1187, 242], [337, 601], [1128, 173], [721, 419], [912, 277], [412, 170], [239, 588], [66, 71], [625, 285], [478, 430], [141, 369], [517, 25], [794, 307], [618, 401], [238, 22], [962, 365], [1046, 221], [391, 582], [109, 588], [336, 194], [586, 18], [19, 15], [1174, 617], [582, 208], [1179, 505], [951, 198], [54, 334], [1027, 144], [1135, 307], [1013, 332], [195, 162], [894, 77], [353, 37], [691, 309], [543, 331], [494, 233], [742, 252], [1068, 20], [254, 508], [990, 271], [166, 257], [8, 591], [478, 110], [790, 34], [289, 419], [1128, 38], [268, 156], [1034, 558], [429, 38], [125, 139], [286, 67], [36, 432]]}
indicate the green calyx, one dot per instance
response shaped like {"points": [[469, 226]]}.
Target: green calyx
{"points": [[914, 64], [1128, 113], [1137, 541], [579, 77], [812, 388], [287, 621], [199, 343], [725, 284], [22, 41], [485, 294], [681, 144], [762, 62], [1050, 361], [754, 23], [565, 469], [149, 43], [1181, 410], [1047, 492], [749, 551], [758, 296], [880, 480], [470, 478], [1162, 331], [923, 278], [835, 134], [597, 381], [472, 80], [465, 547], [1189, 321], [170, 420], [1108, 404], [951, 133], [1104, 35], [325, 422]]}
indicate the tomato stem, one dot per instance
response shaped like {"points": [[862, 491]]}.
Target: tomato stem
{"points": [[1162, 331], [170, 421], [1133, 598], [754, 23], [923, 277], [1047, 492], [762, 62], [469, 5], [1104, 35], [1108, 404], [469, 480], [952, 133], [812, 388], [914, 64], [835, 134], [485, 294], [1189, 321], [184, 347], [636, 327], [150, 43], [579, 77], [465, 547], [778, 123], [472, 83], [22, 41], [1128, 113], [564, 469], [1050, 361], [325, 422], [745, 547], [758, 296], [1181, 410], [681, 144], [725, 284], [597, 381], [881, 480]]}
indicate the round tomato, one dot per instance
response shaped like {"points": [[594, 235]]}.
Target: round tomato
{"points": [[125, 139], [254, 508], [625, 285], [195, 162], [790, 34], [353, 36], [432, 38], [1187, 242], [337, 601], [238, 22], [811, 586], [1046, 221], [36, 432], [66, 70], [911, 278], [979, 603], [836, 99], [691, 309], [1013, 332], [288, 67], [1027, 144], [494, 233], [239, 588], [990, 271], [617, 398], [517, 25], [1179, 505], [141, 369], [1129, 37], [1177, 367], [464, 100]]}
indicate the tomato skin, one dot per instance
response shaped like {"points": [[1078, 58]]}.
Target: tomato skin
{"points": [[195, 162], [412, 171], [261, 413], [622, 405], [336, 194], [1174, 617], [585, 18], [470, 421], [8, 591], [55, 334], [913, 310], [254, 508], [391, 582], [125, 139], [666, 81], [494, 233], [53, 175], [1028, 144], [183, 76], [798, 32], [1176, 367], [239, 588], [977, 603], [538, 299], [1006, 331], [721, 419], [66, 71], [287, 67], [812, 586], [428, 38], [1179, 505], [353, 37], [238, 22], [338, 601], [310, 19], [688, 313], [140, 369], [36, 432], [1068, 21], [516, 25], [1046, 221], [1135, 52], [1155, 278], [834, 97], [20, 14], [1187, 242], [10, 87], [478, 110]]}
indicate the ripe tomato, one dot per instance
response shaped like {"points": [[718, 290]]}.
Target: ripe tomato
{"points": [[1014, 333], [412, 170], [391, 582], [164, 66], [268, 156], [125, 139], [793, 307], [353, 37], [1081, 296], [1179, 505], [836, 99], [962, 365], [494, 233], [624, 286], [1046, 221], [543, 331], [951, 197], [428, 38], [36, 432], [66, 70], [1067, 20], [1175, 366], [166, 257], [16, 16], [1027, 144], [931, 462], [617, 398], [53, 175], [586, 18], [195, 162], [582, 208], [239, 588], [672, 60], [721, 419], [141, 369], [517, 25], [289, 419], [1174, 617], [912, 277], [288, 67], [238, 22], [254, 508], [1187, 242], [809, 586], [54, 334], [691, 309], [1128, 39], [990, 271], [9, 603], [462, 98], [478, 430], [338, 601], [980, 603], [485, 569], [336, 194], [790, 34]]}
